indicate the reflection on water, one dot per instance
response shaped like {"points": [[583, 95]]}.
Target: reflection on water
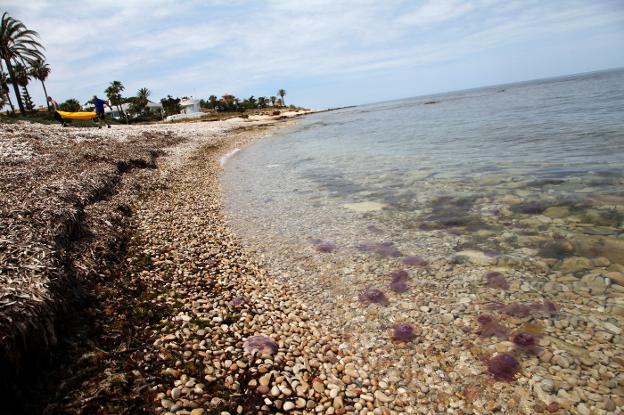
{"points": [[506, 206]]}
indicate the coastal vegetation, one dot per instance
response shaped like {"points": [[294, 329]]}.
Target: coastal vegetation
{"points": [[22, 60]]}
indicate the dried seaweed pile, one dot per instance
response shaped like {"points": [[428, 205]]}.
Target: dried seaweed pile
{"points": [[65, 196]]}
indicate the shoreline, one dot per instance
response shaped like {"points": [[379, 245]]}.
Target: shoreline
{"points": [[105, 211]]}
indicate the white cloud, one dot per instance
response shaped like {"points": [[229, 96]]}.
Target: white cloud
{"points": [[434, 11], [199, 47]]}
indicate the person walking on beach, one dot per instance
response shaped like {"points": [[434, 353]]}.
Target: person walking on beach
{"points": [[56, 107], [99, 110]]}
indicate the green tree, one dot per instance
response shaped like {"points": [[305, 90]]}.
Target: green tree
{"points": [[282, 93], [273, 100], [18, 44], [71, 105], [140, 101], [262, 102], [250, 103], [213, 102], [171, 105], [113, 93], [40, 70]]}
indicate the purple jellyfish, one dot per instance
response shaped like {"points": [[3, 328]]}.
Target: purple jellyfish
{"points": [[504, 366], [260, 344], [403, 332]]}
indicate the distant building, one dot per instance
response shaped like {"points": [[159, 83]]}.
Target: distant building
{"points": [[189, 105]]}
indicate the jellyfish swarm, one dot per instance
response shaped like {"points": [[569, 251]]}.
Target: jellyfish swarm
{"points": [[260, 344], [373, 296], [415, 261], [403, 332], [399, 281], [385, 249], [522, 310], [496, 280], [504, 366], [525, 342], [489, 327]]}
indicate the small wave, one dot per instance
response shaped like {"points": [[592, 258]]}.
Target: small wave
{"points": [[227, 156]]}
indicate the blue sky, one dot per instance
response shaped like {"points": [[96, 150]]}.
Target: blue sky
{"points": [[325, 53]]}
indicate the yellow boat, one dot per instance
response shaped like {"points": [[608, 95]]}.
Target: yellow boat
{"points": [[80, 115]]}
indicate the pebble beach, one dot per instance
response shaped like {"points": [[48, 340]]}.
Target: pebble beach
{"points": [[203, 314]]}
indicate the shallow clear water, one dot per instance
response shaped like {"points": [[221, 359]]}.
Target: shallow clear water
{"points": [[446, 161], [526, 180]]}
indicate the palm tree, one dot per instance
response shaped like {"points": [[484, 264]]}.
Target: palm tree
{"points": [[40, 70], [22, 77], [4, 89], [141, 100], [17, 43], [273, 100], [281, 93], [213, 101], [113, 92]]}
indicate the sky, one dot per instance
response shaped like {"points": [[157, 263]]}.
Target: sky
{"points": [[324, 53]]}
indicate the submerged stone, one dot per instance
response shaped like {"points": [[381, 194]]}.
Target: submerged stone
{"points": [[599, 246], [364, 206]]}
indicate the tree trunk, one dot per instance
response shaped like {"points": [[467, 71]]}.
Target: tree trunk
{"points": [[45, 92], [10, 102], [15, 86]]}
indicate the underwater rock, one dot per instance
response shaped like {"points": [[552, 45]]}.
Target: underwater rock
{"points": [[260, 344], [504, 366], [476, 257], [364, 206], [373, 296], [496, 280], [403, 332], [575, 264], [599, 246], [556, 212], [529, 208]]}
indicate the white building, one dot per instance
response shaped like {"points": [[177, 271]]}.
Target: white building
{"points": [[189, 105]]}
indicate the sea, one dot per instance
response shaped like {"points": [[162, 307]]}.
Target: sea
{"points": [[464, 217], [443, 162], [507, 200]]}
